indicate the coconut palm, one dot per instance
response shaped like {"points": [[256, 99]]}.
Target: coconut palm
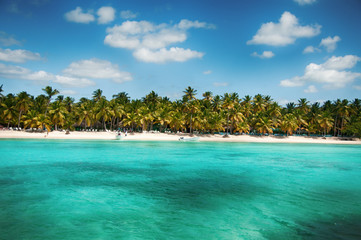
{"points": [[50, 93], [97, 95], [189, 94], [30, 119], [10, 112], [1, 90], [326, 122], [264, 125], [57, 114], [177, 121], [22, 104], [289, 123], [103, 111]]}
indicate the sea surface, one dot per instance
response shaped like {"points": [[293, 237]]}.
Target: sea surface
{"points": [[73, 189]]}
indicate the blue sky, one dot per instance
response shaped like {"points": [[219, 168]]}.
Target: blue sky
{"points": [[288, 49]]}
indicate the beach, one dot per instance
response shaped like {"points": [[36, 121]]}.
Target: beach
{"points": [[150, 136]]}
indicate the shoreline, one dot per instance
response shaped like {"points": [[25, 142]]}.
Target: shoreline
{"points": [[75, 135]]}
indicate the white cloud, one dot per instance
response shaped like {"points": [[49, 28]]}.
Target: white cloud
{"points": [[283, 33], [311, 49], [17, 56], [311, 89], [330, 43], [305, 2], [357, 87], [149, 42], [127, 14], [17, 72], [7, 40], [106, 15], [163, 38], [331, 73], [220, 84], [77, 15], [207, 72], [265, 54], [163, 55], [73, 82], [97, 69], [187, 24]]}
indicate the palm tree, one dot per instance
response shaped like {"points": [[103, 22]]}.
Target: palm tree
{"points": [[23, 104], [97, 95], [10, 111], [84, 113], [57, 114], [189, 94], [303, 106], [264, 125], [228, 105], [188, 97], [50, 93], [177, 120], [289, 123], [242, 127], [103, 111], [344, 112], [1, 90], [325, 121], [30, 119]]}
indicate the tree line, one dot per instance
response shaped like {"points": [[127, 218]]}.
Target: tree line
{"points": [[228, 113]]}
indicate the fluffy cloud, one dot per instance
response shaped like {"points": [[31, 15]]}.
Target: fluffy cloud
{"points": [[305, 2], [77, 15], [7, 40], [73, 82], [330, 43], [18, 56], [311, 89], [17, 72], [357, 87], [330, 74], [311, 49], [127, 14], [163, 55], [187, 24], [265, 54], [105, 15], [283, 33], [97, 69], [149, 42], [207, 72]]}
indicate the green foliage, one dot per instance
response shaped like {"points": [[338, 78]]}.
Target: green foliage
{"points": [[228, 113]]}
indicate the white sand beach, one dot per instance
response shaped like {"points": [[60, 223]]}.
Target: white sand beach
{"points": [[172, 137]]}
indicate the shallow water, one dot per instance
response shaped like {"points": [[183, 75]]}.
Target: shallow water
{"points": [[56, 189]]}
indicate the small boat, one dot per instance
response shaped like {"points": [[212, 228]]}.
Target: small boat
{"points": [[118, 137], [189, 139]]}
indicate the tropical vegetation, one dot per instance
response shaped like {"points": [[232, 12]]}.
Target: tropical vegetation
{"points": [[228, 113]]}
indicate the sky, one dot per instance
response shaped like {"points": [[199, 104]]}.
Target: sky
{"points": [[288, 49]]}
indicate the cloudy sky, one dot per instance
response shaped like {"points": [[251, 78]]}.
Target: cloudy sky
{"points": [[284, 48]]}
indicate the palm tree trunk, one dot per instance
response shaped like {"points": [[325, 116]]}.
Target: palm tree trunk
{"points": [[19, 118], [190, 127]]}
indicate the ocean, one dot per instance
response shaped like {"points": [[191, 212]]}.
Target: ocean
{"points": [[75, 189]]}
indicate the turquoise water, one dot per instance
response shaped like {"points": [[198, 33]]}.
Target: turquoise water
{"points": [[53, 189]]}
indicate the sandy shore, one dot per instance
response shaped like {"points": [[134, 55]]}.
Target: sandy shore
{"points": [[172, 137]]}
